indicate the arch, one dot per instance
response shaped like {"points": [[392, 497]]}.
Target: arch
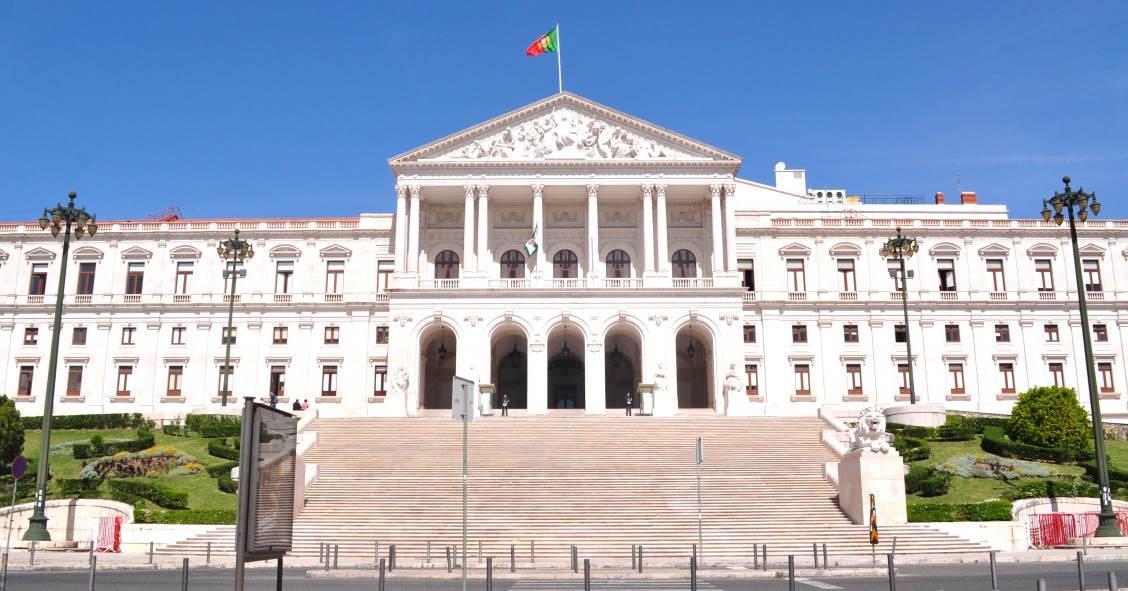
{"points": [[1042, 249], [285, 251], [695, 364], [623, 362], [944, 249], [446, 265], [618, 264], [683, 264], [82, 253], [437, 363], [565, 382], [565, 265], [509, 364], [845, 249], [512, 264], [184, 252]]}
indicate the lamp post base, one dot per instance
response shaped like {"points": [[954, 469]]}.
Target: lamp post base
{"points": [[37, 529], [1108, 527]]}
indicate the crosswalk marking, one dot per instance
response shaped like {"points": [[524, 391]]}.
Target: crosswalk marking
{"points": [[816, 584], [611, 585]]}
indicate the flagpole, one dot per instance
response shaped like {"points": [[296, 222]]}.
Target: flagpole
{"points": [[559, 73]]}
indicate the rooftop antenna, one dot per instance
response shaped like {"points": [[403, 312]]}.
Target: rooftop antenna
{"points": [[959, 184]]}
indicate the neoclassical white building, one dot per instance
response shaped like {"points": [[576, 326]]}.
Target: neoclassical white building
{"points": [[651, 263]]}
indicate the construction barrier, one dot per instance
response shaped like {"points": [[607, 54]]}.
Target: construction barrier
{"points": [[1048, 530]]}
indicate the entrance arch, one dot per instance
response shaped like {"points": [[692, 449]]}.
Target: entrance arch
{"points": [[695, 368], [438, 359], [509, 368], [622, 365], [565, 368]]}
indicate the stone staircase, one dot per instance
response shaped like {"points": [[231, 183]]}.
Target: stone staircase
{"points": [[602, 483]]}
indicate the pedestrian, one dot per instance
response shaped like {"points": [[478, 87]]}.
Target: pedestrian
{"points": [[504, 405], [297, 404], [629, 401], [305, 404], [273, 400]]}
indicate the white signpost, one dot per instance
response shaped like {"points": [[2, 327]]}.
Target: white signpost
{"points": [[463, 401]]}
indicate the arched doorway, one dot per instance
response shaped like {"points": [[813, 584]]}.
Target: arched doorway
{"points": [[622, 366], [509, 369], [438, 359], [565, 369], [695, 379]]}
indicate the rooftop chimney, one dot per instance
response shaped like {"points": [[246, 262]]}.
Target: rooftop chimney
{"points": [[939, 198], [968, 198]]}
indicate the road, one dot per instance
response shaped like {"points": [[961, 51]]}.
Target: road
{"points": [[1059, 576]]}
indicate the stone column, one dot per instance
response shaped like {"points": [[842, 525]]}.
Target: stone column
{"points": [[537, 379], [595, 386], [647, 228], [483, 228], [468, 231], [593, 229], [412, 252], [663, 262], [401, 228], [538, 225], [718, 244], [730, 227]]}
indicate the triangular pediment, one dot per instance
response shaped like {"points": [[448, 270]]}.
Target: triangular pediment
{"points": [[994, 250], [87, 253], [335, 251], [39, 254], [1092, 250], [564, 128], [795, 250], [136, 253]]}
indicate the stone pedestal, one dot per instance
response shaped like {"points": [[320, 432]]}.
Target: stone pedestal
{"points": [[863, 472]]}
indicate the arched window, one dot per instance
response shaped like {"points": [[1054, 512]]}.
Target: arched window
{"points": [[446, 265], [618, 265], [512, 265], [565, 265], [685, 264]]}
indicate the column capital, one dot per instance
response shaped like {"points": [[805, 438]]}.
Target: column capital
{"points": [[593, 189], [469, 189], [401, 191], [415, 190], [715, 190], [730, 189], [647, 190], [661, 188], [483, 190], [538, 190]]}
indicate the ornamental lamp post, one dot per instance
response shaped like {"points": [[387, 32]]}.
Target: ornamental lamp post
{"points": [[1086, 202], [59, 219], [899, 249], [236, 251]]}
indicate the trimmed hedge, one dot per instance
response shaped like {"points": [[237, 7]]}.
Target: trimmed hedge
{"points": [[210, 426], [996, 442], [160, 495], [217, 470], [127, 498], [933, 512], [912, 449], [1115, 475], [145, 440], [228, 484], [219, 450], [79, 488], [978, 424], [107, 421], [927, 482], [1041, 489], [197, 516]]}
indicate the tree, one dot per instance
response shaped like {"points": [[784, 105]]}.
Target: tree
{"points": [[11, 431], [1050, 416]]}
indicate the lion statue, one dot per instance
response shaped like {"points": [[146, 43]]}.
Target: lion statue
{"points": [[870, 433]]}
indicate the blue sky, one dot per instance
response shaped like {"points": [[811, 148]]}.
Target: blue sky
{"points": [[288, 109]]}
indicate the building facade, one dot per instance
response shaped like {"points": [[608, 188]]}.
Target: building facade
{"points": [[567, 254]]}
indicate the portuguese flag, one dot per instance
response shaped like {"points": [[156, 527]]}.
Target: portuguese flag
{"points": [[546, 43]]}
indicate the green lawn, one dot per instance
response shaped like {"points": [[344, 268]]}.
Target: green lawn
{"points": [[202, 489]]}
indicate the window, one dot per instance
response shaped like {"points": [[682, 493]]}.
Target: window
{"points": [[86, 278], [446, 265], [332, 335], [512, 265], [178, 335], [128, 335], [1104, 376], [803, 380], [685, 264], [229, 335], [847, 280], [226, 379], [1057, 374], [854, 379], [903, 375], [384, 270], [78, 335], [955, 370], [175, 381], [382, 335], [899, 333], [27, 373], [751, 380], [281, 335], [135, 278], [1052, 335], [565, 265], [125, 375], [1100, 333], [747, 274], [183, 277], [1006, 378], [278, 380], [850, 333], [798, 333], [1091, 271], [995, 270], [1045, 274], [283, 276], [796, 280], [31, 336], [947, 271], [38, 283], [894, 267], [329, 380], [618, 265], [380, 381], [74, 380], [1002, 333], [749, 333], [335, 277], [951, 333]]}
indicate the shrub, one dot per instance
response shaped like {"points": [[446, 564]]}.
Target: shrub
{"points": [[11, 430], [211, 426], [912, 449], [1115, 476], [160, 495], [1050, 416], [954, 429], [197, 516], [978, 424], [989, 466], [217, 470], [106, 421], [994, 441], [986, 511], [79, 488], [97, 439], [145, 439], [926, 482], [228, 484], [1042, 489], [219, 450]]}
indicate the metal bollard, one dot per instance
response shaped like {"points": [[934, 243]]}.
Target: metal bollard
{"points": [[278, 577], [764, 563], [1112, 581], [532, 552], [320, 552], [1081, 570], [449, 567], [91, 556], [184, 576], [381, 583], [587, 574], [1041, 585], [815, 551], [326, 557], [336, 552], [995, 574], [489, 574], [479, 551], [755, 557], [93, 572], [894, 545], [892, 573], [634, 562], [208, 558], [640, 558], [376, 550], [693, 570], [150, 553], [391, 558], [791, 572], [428, 558], [826, 564], [575, 559], [4, 570], [512, 558], [33, 544]]}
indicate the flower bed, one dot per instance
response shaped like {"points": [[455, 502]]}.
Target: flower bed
{"points": [[152, 462], [990, 466]]}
